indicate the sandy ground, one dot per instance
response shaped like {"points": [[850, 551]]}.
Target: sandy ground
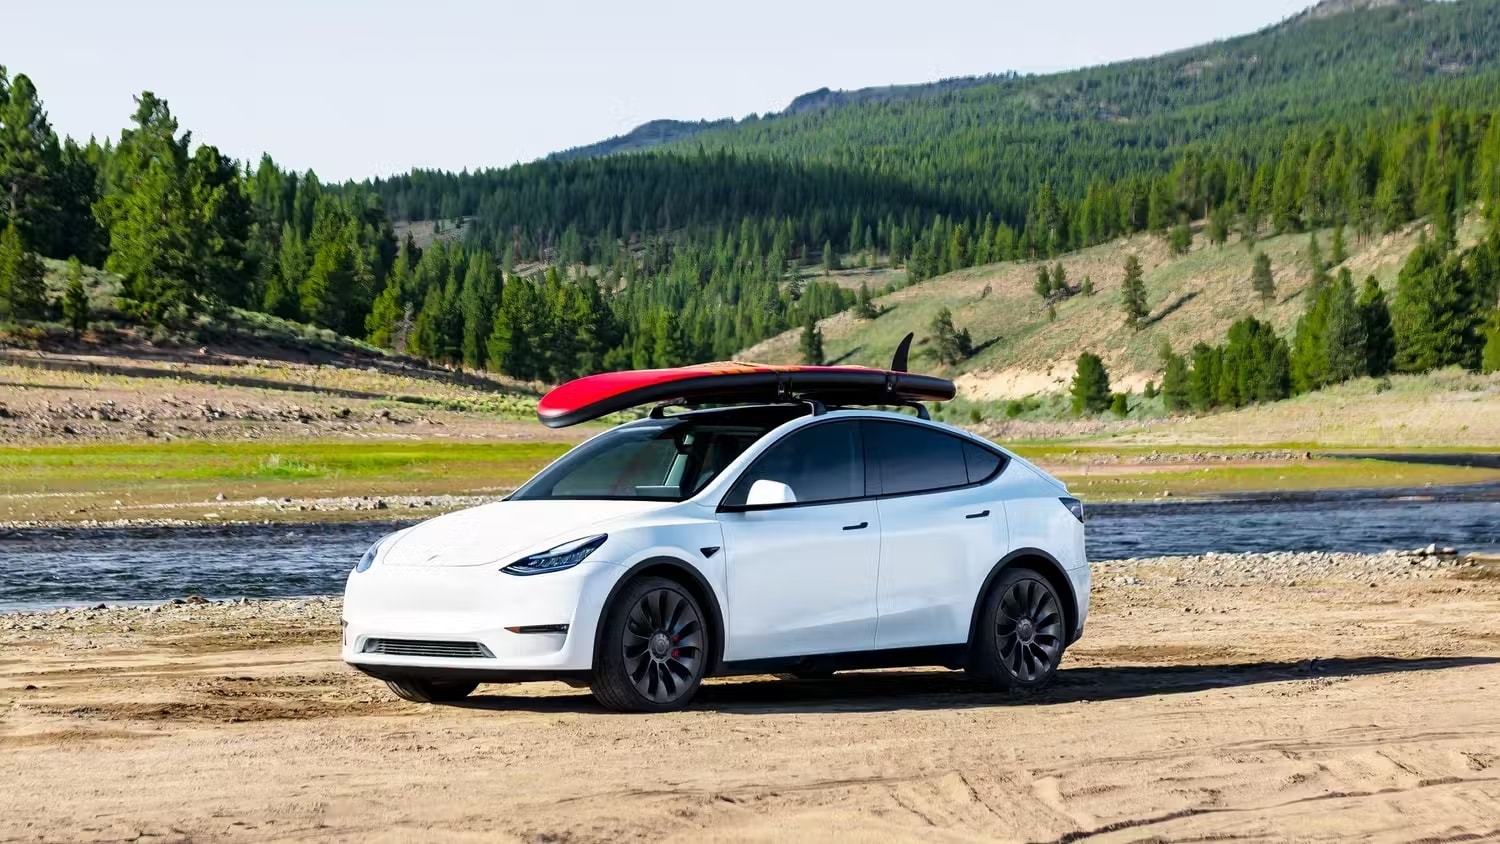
{"points": [[1208, 701]]}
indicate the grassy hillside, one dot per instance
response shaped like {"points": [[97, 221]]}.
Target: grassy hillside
{"points": [[1020, 352]]}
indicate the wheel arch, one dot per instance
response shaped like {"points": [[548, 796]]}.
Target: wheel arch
{"points": [[688, 577], [1042, 563]]}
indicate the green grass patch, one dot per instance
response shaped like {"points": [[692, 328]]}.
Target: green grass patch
{"points": [[1110, 483], [44, 468]]}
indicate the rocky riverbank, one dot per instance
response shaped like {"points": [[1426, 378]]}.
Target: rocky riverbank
{"points": [[1214, 571]]}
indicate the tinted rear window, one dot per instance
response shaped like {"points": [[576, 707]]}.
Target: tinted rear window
{"points": [[982, 463], [917, 459]]}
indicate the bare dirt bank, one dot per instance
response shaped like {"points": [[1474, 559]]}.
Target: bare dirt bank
{"points": [[1264, 698]]}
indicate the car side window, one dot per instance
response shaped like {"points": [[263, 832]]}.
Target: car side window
{"points": [[983, 464], [917, 459], [823, 462]]}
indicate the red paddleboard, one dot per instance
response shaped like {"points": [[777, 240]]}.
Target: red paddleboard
{"points": [[724, 383]]}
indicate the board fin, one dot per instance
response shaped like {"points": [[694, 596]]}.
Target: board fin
{"points": [[898, 363]]}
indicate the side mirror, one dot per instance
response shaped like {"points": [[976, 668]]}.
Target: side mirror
{"points": [[764, 492]]}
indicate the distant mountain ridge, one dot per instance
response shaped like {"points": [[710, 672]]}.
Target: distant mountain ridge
{"points": [[1195, 60], [645, 136]]}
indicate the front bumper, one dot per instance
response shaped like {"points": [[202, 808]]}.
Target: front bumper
{"points": [[473, 605]]}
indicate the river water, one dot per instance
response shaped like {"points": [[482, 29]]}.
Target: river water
{"points": [[52, 568]]}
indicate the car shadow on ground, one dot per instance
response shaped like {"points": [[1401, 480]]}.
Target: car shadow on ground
{"points": [[880, 691]]}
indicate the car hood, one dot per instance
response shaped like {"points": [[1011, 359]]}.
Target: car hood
{"points": [[505, 530]]}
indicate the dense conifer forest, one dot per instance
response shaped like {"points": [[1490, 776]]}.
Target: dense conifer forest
{"points": [[711, 237]]}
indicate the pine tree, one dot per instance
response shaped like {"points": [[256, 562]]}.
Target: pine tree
{"points": [[1310, 345], [949, 344], [281, 295], [22, 278], [1043, 285], [75, 300], [1338, 252], [477, 304], [1255, 365], [812, 343], [509, 346], [830, 258], [1119, 405], [385, 314], [1181, 240], [221, 227], [1059, 280], [1380, 339], [1174, 384], [326, 293], [1218, 225], [1159, 210], [149, 212], [1344, 336], [1490, 360], [1262, 280], [1434, 319], [864, 307], [1320, 277], [1133, 294], [30, 163], [1090, 387], [1203, 379], [1087, 287]]}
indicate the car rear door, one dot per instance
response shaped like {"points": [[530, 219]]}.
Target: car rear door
{"points": [[802, 575], [941, 531]]}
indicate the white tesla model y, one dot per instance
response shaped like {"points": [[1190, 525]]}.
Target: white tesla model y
{"points": [[786, 536]]}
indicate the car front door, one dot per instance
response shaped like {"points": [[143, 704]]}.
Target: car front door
{"points": [[802, 572], [942, 530]]}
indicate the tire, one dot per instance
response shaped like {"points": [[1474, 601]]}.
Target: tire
{"points": [[418, 690], [654, 648], [1022, 633]]}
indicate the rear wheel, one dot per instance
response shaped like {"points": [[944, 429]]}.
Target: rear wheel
{"points": [[418, 690], [1021, 634], [654, 648]]}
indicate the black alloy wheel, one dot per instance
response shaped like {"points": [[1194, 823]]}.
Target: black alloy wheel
{"points": [[655, 649], [1021, 640]]}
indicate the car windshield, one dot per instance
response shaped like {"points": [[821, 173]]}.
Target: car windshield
{"points": [[660, 460]]}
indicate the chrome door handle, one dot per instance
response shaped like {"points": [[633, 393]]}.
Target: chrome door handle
{"points": [[860, 526], [981, 514]]}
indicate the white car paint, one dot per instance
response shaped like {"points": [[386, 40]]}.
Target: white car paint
{"points": [[786, 581]]}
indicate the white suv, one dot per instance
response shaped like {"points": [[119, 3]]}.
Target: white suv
{"points": [[776, 538]]}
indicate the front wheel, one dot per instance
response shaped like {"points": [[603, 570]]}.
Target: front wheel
{"points": [[418, 690], [1021, 635], [654, 650]]}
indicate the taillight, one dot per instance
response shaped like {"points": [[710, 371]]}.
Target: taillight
{"points": [[1074, 506]]}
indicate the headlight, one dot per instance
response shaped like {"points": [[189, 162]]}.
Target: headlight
{"points": [[564, 556], [369, 558]]}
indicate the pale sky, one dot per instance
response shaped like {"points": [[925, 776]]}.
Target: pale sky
{"points": [[355, 88]]}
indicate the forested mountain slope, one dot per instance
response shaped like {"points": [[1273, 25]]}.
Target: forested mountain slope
{"points": [[1367, 115], [990, 142], [997, 140]]}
